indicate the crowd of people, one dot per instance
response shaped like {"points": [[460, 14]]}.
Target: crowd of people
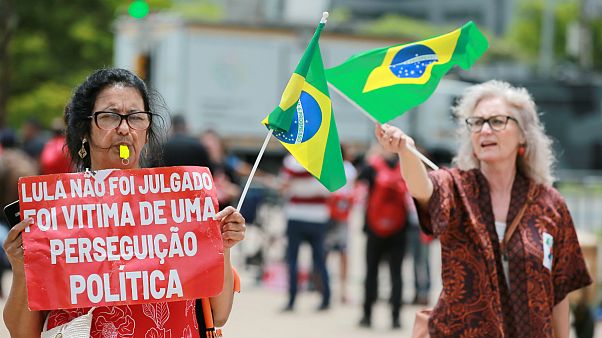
{"points": [[491, 212]]}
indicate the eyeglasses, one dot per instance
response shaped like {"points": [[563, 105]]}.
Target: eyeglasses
{"points": [[107, 120], [496, 122]]}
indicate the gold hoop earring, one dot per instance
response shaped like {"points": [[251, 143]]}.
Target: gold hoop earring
{"points": [[82, 151]]}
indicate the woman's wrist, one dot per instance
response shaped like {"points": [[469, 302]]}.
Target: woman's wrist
{"points": [[227, 261], [404, 153], [18, 272]]}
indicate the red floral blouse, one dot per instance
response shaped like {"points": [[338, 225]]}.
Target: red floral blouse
{"points": [[545, 260], [159, 320]]}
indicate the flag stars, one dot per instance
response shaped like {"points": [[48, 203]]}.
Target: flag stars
{"points": [[413, 70], [411, 61], [289, 138]]}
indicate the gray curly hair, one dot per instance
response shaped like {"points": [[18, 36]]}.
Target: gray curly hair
{"points": [[538, 160]]}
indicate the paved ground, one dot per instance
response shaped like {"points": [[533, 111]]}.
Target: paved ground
{"points": [[258, 310]]}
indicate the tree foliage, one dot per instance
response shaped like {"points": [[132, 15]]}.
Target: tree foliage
{"points": [[203, 10], [396, 25], [53, 46]]}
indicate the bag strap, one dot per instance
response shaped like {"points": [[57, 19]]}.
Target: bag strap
{"points": [[512, 228], [208, 316], [211, 330]]}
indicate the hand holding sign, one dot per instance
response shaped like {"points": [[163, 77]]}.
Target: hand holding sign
{"points": [[232, 225], [13, 244]]}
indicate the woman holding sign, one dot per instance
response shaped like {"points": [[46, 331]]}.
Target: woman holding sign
{"points": [[510, 254], [111, 124]]}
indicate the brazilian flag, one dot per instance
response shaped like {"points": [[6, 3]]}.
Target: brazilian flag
{"points": [[304, 122], [387, 82]]}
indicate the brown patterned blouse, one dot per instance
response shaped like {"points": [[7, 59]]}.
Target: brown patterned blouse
{"points": [[475, 300]]}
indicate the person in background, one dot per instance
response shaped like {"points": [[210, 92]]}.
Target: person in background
{"points": [[183, 149], [55, 158], [419, 247], [510, 254], [307, 215], [225, 176], [385, 227], [33, 138], [111, 108], [14, 163], [340, 204]]}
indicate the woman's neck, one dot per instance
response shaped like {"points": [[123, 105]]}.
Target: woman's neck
{"points": [[500, 176], [97, 168]]}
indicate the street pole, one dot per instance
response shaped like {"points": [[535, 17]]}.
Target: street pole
{"points": [[585, 39], [546, 46]]}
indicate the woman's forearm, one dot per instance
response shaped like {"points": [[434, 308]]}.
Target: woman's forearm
{"points": [[560, 319], [19, 320], [412, 169], [415, 175], [221, 305]]}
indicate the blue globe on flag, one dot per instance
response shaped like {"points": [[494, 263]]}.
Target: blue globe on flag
{"points": [[411, 61], [306, 121]]}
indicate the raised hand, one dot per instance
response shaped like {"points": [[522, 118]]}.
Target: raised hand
{"points": [[392, 138]]}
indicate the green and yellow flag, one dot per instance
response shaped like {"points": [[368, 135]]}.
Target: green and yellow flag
{"points": [[387, 82], [304, 122]]}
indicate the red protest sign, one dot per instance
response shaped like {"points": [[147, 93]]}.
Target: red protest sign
{"points": [[117, 237]]}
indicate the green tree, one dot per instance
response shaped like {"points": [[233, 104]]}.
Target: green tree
{"points": [[7, 28], [49, 47], [52, 46]]}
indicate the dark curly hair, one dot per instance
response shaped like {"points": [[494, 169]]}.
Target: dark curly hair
{"points": [[79, 110]]}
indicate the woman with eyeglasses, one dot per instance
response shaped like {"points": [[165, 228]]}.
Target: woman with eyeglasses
{"points": [[509, 250], [112, 112]]}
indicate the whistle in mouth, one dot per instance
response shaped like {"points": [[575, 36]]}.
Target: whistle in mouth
{"points": [[124, 152]]}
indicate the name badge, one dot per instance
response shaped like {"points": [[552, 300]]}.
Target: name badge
{"points": [[548, 256]]}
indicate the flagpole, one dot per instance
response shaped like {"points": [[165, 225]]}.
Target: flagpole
{"points": [[410, 148], [255, 165]]}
